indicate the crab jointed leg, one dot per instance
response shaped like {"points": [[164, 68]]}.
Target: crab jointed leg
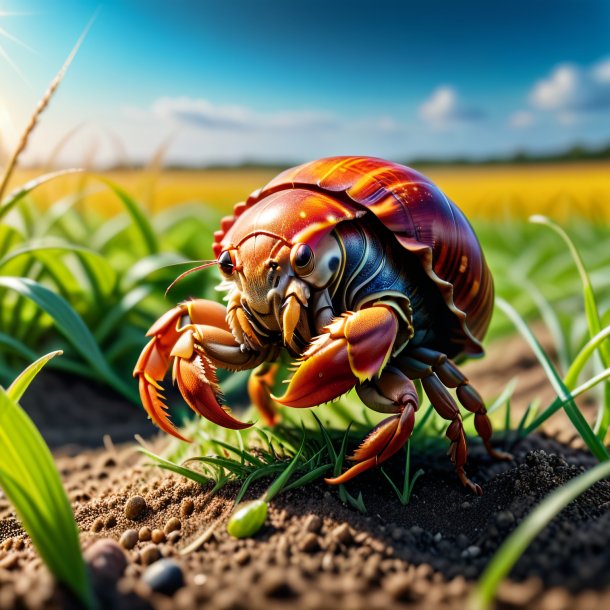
{"points": [[260, 384], [437, 373], [392, 392], [352, 351], [195, 335]]}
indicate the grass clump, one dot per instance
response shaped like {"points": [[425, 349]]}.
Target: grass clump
{"points": [[32, 484]]}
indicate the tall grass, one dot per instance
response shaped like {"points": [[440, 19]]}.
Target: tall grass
{"points": [[32, 484]]}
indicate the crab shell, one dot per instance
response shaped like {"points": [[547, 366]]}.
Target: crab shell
{"points": [[318, 195]]}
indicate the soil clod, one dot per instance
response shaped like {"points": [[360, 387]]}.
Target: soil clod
{"points": [[149, 554], [129, 539], [134, 507]]}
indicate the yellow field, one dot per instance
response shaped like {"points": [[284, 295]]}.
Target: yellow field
{"points": [[560, 190]]}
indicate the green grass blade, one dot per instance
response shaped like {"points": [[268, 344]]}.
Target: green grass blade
{"points": [[100, 274], [39, 497], [584, 356], [262, 472], [558, 403], [593, 319], [181, 470], [18, 195], [580, 423], [514, 546], [16, 346], [16, 390], [139, 218], [120, 311], [279, 483], [71, 325], [309, 477]]}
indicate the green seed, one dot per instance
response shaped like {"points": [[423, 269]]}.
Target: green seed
{"points": [[247, 519]]}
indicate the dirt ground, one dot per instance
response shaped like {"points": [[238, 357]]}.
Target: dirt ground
{"points": [[313, 551]]}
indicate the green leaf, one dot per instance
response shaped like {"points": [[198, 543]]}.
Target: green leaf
{"points": [[20, 384], [71, 325], [18, 195], [281, 481], [593, 319], [138, 216], [181, 470], [580, 423], [32, 484], [101, 276], [581, 359]]}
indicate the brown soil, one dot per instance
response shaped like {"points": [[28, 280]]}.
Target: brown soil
{"points": [[313, 551]]}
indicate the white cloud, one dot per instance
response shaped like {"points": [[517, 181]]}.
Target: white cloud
{"points": [[444, 108], [200, 112], [521, 119], [570, 92]]}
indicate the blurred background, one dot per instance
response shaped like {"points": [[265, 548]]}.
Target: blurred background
{"points": [[180, 109], [268, 84]]}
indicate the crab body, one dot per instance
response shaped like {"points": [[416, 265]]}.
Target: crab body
{"points": [[364, 271]]}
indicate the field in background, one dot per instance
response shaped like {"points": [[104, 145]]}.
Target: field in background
{"points": [[557, 190]]}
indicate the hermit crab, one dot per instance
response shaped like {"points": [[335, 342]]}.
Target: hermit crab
{"points": [[368, 275]]}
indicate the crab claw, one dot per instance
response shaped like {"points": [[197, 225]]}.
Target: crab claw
{"points": [[194, 373], [352, 349], [381, 444], [197, 382]]}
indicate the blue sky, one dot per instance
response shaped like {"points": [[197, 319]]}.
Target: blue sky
{"points": [[285, 81]]}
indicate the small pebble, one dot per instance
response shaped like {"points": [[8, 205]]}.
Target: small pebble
{"points": [[149, 554], [110, 522], [129, 539], [144, 534], [164, 576], [187, 507], [399, 586], [106, 559], [157, 536], [9, 562], [274, 583], [313, 524], [505, 518], [242, 557], [309, 543], [200, 579], [172, 525], [471, 551], [173, 537], [134, 507], [342, 534]]}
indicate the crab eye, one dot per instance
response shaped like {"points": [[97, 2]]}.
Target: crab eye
{"points": [[226, 262], [302, 259]]}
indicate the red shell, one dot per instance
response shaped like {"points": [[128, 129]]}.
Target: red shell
{"points": [[421, 217]]}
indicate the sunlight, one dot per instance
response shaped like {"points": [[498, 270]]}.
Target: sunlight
{"points": [[8, 36]]}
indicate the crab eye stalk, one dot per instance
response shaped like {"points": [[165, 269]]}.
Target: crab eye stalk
{"points": [[302, 259], [226, 262]]}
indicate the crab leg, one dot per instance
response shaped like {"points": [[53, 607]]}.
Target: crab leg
{"points": [[260, 384], [352, 349], [196, 350], [437, 373], [392, 392], [469, 398]]}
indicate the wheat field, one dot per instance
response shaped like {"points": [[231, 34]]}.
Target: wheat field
{"points": [[505, 191]]}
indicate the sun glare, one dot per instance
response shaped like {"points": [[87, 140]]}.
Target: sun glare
{"points": [[5, 35]]}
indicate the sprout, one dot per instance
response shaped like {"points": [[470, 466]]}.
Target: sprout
{"points": [[248, 518]]}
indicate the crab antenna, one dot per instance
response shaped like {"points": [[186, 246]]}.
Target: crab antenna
{"points": [[182, 275]]}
